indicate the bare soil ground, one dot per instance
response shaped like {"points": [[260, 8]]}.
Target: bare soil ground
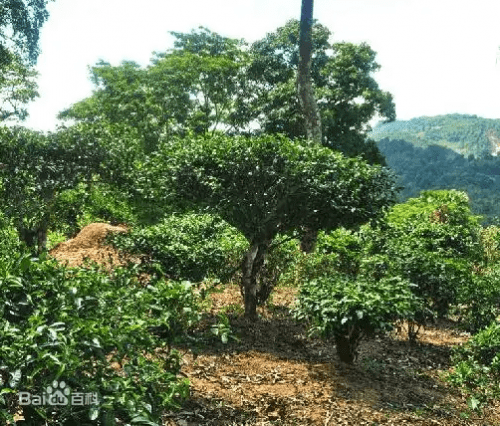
{"points": [[276, 375]]}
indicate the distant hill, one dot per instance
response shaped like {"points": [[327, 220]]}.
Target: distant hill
{"points": [[446, 152], [465, 134]]}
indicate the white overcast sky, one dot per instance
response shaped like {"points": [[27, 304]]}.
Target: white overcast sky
{"points": [[437, 56]]}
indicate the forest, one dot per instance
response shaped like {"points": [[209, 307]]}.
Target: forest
{"points": [[180, 252], [445, 152]]}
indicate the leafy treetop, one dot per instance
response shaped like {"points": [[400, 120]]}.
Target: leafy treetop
{"points": [[268, 185]]}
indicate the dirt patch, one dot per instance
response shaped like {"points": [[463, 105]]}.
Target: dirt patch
{"points": [[90, 245], [276, 375]]}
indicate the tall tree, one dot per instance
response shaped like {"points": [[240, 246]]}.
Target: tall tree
{"points": [[271, 185], [312, 118], [20, 23], [17, 88], [347, 95], [194, 86], [305, 90]]}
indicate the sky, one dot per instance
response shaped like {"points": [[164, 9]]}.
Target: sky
{"points": [[437, 56]]}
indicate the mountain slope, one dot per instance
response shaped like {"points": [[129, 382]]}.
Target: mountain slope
{"points": [[446, 152], [465, 134]]}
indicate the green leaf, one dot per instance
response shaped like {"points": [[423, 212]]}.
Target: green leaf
{"points": [[93, 413], [473, 403]]}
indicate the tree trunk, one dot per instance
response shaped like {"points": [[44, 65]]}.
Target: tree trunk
{"points": [[251, 265], [308, 240], [34, 238], [305, 90], [312, 118], [42, 238]]}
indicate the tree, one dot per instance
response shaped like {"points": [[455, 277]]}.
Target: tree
{"points": [[271, 185], [20, 23], [36, 167], [191, 87], [305, 90], [17, 88], [127, 95], [348, 96]]}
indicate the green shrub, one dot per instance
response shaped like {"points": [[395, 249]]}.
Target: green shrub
{"points": [[77, 208], [336, 251], [190, 246], [477, 365], [490, 241], [348, 310], [70, 325], [9, 238], [431, 241], [480, 300]]}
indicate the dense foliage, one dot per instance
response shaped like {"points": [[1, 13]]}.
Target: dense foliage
{"points": [[20, 23], [431, 241], [72, 325], [190, 247], [445, 152], [348, 97], [269, 185], [209, 82], [349, 310], [477, 367], [17, 88], [36, 168]]}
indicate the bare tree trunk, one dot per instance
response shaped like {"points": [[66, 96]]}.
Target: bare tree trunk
{"points": [[312, 117], [308, 240], [251, 266]]}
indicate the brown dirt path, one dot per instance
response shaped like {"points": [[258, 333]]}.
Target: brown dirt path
{"points": [[278, 376]]}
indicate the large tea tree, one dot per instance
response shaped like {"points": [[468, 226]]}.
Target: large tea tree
{"points": [[271, 185], [36, 167]]}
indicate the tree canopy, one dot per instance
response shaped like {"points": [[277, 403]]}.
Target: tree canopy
{"points": [[20, 23], [208, 82], [268, 185], [17, 87]]}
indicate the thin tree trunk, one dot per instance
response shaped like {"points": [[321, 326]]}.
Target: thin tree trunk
{"points": [[308, 240], [312, 118], [251, 265], [305, 89]]}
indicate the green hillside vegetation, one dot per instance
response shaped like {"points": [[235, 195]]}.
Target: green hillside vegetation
{"points": [[212, 205], [465, 134], [428, 153]]}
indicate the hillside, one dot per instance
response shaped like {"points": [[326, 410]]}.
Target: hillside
{"points": [[446, 152], [464, 134]]}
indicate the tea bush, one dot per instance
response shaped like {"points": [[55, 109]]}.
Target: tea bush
{"points": [[71, 325], [490, 241], [191, 246], [480, 301], [9, 238], [350, 309], [477, 365], [336, 251], [431, 241], [77, 208]]}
